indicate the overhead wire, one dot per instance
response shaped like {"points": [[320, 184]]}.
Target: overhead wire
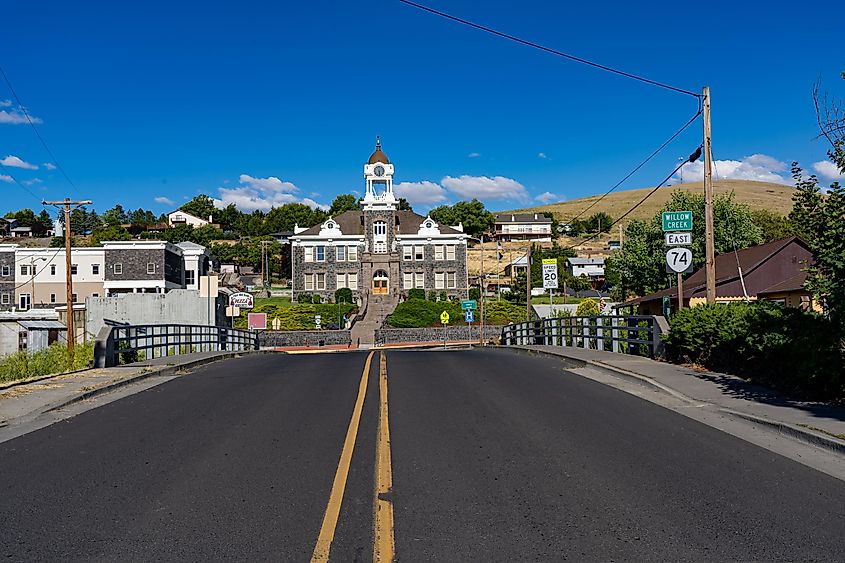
{"points": [[35, 129], [550, 50]]}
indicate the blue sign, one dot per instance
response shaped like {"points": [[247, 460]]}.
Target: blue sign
{"points": [[468, 316]]}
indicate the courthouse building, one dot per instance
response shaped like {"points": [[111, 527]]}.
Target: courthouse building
{"points": [[379, 250]]}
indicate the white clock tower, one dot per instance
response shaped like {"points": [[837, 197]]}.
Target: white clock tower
{"points": [[378, 172]]}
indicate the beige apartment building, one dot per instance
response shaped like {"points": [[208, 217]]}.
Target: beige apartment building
{"points": [[40, 276]]}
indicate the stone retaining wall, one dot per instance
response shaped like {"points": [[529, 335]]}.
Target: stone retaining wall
{"points": [[285, 338], [435, 334]]}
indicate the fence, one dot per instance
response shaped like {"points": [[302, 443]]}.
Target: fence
{"points": [[125, 344], [630, 334]]}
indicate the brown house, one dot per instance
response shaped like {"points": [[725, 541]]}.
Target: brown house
{"points": [[771, 271]]}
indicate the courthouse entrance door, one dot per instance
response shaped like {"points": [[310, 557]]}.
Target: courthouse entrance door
{"points": [[380, 281]]}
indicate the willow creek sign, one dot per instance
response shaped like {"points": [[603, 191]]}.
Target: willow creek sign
{"points": [[242, 299]]}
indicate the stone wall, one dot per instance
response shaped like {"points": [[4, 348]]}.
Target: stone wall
{"points": [[329, 267], [429, 266], [134, 263], [435, 334], [7, 283], [285, 338]]}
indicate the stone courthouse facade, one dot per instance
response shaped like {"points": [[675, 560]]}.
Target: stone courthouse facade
{"points": [[379, 250]]}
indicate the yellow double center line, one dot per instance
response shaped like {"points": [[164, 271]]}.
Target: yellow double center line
{"points": [[383, 545]]}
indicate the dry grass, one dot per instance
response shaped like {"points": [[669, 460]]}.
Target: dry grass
{"points": [[757, 195]]}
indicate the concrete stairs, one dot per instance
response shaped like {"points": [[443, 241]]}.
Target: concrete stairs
{"points": [[378, 307]]}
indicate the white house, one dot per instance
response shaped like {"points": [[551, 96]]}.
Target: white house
{"points": [[179, 217], [593, 268], [523, 226], [198, 262]]}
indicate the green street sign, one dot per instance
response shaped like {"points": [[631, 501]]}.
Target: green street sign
{"points": [[677, 221], [469, 304]]}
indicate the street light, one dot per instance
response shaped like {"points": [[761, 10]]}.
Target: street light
{"points": [[32, 260]]}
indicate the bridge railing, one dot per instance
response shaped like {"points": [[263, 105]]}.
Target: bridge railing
{"points": [[126, 344], [627, 334]]}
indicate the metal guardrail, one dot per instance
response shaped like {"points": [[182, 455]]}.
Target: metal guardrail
{"points": [[126, 344], [627, 334]]}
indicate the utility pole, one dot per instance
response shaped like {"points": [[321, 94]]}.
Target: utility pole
{"points": [[66, 205], [481, 296], [528, 288], [709, 244]]}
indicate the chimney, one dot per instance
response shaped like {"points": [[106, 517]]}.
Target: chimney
{"points": [[535, 216], [513, 218]]}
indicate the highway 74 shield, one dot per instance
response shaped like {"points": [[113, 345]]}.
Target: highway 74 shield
{"points": [[679, 260]]}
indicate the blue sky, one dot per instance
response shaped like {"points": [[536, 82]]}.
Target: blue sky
{"points": [[150, 103]]}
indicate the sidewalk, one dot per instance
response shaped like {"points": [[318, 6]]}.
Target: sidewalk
{"points": [[732, 395], [23, 402]]}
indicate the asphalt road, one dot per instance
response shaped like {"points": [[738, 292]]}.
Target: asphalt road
{"points": [[495, 457]]}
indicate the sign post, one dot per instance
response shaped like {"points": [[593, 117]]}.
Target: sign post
{"points": [[550, 279], [678, 257], [444, 320]]}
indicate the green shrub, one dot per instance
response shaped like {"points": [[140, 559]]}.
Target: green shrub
{"points": [[432, 296], [299, 317], [343, 295], [416, 293], [316, 300], [305, 298], [444, 296], [791, 350], [417, 313], [474, 293], [503, 312], [587, 308]]}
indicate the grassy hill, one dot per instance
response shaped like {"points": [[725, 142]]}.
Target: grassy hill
{"points": [[757, 195]]}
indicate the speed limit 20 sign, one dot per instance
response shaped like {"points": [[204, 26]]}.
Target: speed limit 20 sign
{"points": [[550, 273]]}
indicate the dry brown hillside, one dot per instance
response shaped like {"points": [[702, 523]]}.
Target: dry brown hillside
{"points": [[757, 195]]}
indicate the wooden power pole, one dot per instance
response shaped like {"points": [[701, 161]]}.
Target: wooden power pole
{"points": [[709, 244], [67, 205], [528, 287]]}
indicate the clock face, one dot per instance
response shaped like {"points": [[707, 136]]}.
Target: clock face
{"points": [[379, 170]]}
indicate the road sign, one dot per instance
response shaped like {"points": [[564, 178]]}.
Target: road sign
{"points": [[444, 318], [550, 273], [468, 304], [468, 316], [242, 299], [678, 239], [257, 321], [679, 259], [677, 221], [232, 311]]}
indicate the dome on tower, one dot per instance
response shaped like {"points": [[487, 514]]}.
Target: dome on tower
{"points": [[378, 155]]}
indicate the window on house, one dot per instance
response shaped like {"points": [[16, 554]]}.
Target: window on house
{"points": [[419, 280], [352, 254], [341, 281], [118, 268], [52, 269], [73, 269], [6, 271], [190, 277], [439, 252], [309, 282], [352, 281], [340, 253], [24, 270], [320, 282], [52, 298], [450, 280], [380, 247], [309, 253], [407, 253], [73, 297], [95, 295], [439, 280], [419, 253], [151, 267], [408, 280], [380, 228], [450, 252], [95, 269], [320, 253], [5, 299]]}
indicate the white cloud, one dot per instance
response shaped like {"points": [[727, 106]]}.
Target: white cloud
{"points": [[759, 167], [165, 200], [827, 170], [548, 197], [474, 155], [262, 193], [6, 178], [49, 166], [16, 162], [421, 193], [485, 187], [542, 155], [32, 182], [15, 116]]}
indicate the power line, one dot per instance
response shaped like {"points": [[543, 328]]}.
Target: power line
{"points": [[550, 50], [35, 129], [641, 164], [15, 180], [693, 157]]}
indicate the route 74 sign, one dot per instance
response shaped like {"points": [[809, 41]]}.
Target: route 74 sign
{"points": [[550, 273], [679, 259]]}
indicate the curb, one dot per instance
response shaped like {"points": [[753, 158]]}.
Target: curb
{"points": [[166, 370], [804, 435]]}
